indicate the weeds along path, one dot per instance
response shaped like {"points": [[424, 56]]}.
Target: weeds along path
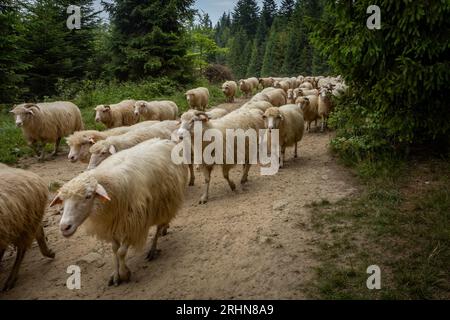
{"points": [[255, 243]]}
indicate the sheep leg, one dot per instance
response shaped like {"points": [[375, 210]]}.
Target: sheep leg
{"points": [[323, 124], [55, 150], [15, 270], [124, 272], [2, 253], [296, 152], [154, 252], [283, 156], [191, 175], [207, 174], [115, 278], [164, 229], [40, 237], [226, 175], [244, 178]]}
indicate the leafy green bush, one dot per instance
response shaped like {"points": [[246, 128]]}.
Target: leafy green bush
{"points": [[399, 75]]}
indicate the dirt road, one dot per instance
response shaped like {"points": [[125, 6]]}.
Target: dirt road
{"points": [[255, 243]]}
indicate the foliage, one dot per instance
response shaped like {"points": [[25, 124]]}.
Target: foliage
{"points": [[399, 75]]}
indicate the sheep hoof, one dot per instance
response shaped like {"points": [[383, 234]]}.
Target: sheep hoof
{"points": [[116, 280], [203, 200], [191, 183], [50, 254], [153, 254], [232, 186], [244, 181]]}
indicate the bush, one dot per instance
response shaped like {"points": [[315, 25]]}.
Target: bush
{"points": [[217, 73], [399, 75]]}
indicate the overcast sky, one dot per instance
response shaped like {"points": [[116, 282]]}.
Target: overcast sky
{"points": [[215, 8]]}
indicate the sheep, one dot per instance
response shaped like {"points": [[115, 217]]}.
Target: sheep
{"points": [[156, 110], [81, 141], [306, 85], [198, 98], [266, 82], [216, 113], [240, 119], [111, 145], [23, 199], [288, 119], [248, 85], [47, 123], [309, 106], [261, 105], [291, 96], [120, 200], [116, 115], [307, 92], [325, 105], [229, 89], [285, 85]]}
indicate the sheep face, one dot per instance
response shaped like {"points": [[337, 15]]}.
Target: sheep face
{"points": [[272, 118], [189, 97], [139, 107], [79, 198], [24, 113], [80, 151], [290, 94], [303, 102], [99, 152], [103, 113], [188, 120], [226, 89]]}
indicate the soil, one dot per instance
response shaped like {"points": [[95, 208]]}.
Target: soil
{"points": [[254, 243]]}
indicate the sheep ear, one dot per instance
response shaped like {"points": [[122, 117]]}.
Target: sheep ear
{"points": [[101, 193], [30, 112], [112, 150], [56, 201], [92, 140], [108, 108]]}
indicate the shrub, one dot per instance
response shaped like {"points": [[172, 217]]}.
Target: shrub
{"points": [[216, 73], [399, 74]]}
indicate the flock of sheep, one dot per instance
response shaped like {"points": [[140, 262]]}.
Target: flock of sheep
{"points": [[132, 183]]}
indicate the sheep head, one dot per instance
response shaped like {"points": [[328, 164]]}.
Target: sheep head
{"points": [[103, 113], [139, 107], [80, 197], [99, 152], [188, 120], [23, 113], [272, 118]]}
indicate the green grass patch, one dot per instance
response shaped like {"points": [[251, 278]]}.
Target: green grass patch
{"points": [[400, 222]]}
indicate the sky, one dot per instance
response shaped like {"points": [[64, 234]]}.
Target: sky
{"points": [[215, 8]]}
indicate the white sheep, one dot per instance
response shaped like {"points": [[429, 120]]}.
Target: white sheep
{"points": [[156, 110], [123, 198], [266, 82], [240, 119], [284, 84], [248, 85], [325, 105], [116, 115], [81, 141], [111, 145], [198, 98], [229, 89], [288, 119], [47, 123], [23, 199], [306, 92], [309, 106]]}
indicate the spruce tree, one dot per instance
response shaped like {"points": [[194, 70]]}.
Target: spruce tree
{"points": [[149, 38], [245, 17], [12, 67]]}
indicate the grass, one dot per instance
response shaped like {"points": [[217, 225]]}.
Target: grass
{"points": [[86, 95], [400, 222]]}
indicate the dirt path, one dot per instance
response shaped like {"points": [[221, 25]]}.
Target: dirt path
{"points": [[255, 243]]}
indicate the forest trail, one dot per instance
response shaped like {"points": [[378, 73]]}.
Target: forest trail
{"points": [[256, 243]]}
